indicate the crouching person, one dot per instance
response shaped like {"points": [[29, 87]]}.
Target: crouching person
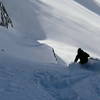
{"points": [[82, 56]]}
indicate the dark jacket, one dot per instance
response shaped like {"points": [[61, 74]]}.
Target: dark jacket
{"points": [[82, 56]]}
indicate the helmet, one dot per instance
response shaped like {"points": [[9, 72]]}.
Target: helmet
{"points": [[80, 50]]}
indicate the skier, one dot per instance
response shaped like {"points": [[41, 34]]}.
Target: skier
{"points": [[82, 56]]}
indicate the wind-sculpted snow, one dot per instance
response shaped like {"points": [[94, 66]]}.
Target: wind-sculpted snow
{"points": [[23, 80], [91, 5], [29, 70], [71, 24], [54, 20], [13, 45]]}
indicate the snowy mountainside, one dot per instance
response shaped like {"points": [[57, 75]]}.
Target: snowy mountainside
{"points": [[28, 68], [71, 24], [25, 18], [21, 42], [59, 23]]}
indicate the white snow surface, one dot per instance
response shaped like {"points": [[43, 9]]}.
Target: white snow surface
{"points": [[29, 69]]}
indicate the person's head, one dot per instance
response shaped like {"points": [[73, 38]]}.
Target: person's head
{"points": [[80, 50]]}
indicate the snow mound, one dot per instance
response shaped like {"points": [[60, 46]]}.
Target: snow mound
{"points": [[23, 80], [78, 82]]}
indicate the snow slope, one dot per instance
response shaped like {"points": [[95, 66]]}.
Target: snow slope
{"points": [[93, 5], [24, 80], [14, 46], [21, 42], [72, 25], [61, 23], [28, 67]]}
